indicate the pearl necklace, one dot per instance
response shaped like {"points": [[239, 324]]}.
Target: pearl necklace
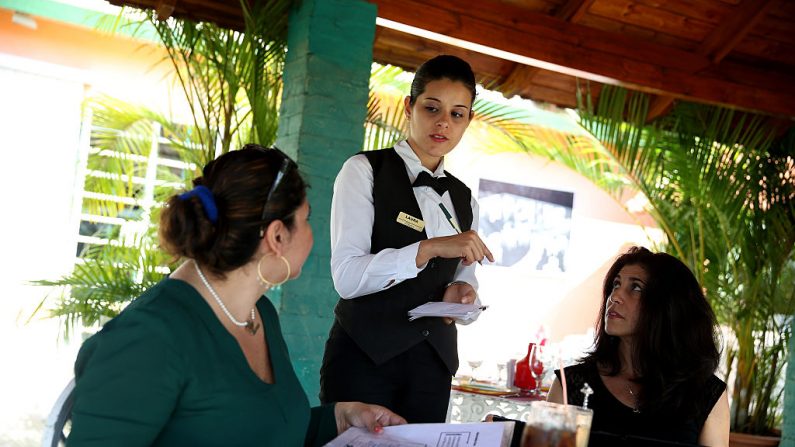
{"points": [[250, 324]]}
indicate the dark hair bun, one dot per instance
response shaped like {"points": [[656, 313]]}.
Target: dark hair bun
{"points": [[239, 182]]}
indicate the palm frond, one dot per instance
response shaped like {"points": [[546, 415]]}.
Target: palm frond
{"points": [[232, 83], [109, 278], [232, 79]]}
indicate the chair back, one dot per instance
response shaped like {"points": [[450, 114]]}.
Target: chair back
{"points": [[61, 413]]}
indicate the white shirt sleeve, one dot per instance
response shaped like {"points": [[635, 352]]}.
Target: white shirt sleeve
{"points": [[354, 270], [466, 273]]}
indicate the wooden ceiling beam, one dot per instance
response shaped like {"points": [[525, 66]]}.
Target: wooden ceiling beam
{"points": [[720, 42], [561, 98], [518, 79], [165, 8], [404, 50], [541, 34], [726, 36], [554, 44], [224, 14], [522, 76], [659, 106], [408, 52], [573, 10]]}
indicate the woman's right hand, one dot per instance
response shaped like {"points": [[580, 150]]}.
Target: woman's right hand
{"points": [[367, 416], [468, 246]]}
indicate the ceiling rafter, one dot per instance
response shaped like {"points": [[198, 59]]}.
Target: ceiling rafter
{"points": [[719, 43], [603, 56], [573, 10], [165, 8], [644, 45], [522, 76], [726, 37]]}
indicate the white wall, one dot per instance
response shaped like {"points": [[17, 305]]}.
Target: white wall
{"points": [[40, 121], [521, 299]]}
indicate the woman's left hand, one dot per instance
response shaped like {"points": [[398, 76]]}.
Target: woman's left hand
{"points": [[358, 414], [459, 292]]}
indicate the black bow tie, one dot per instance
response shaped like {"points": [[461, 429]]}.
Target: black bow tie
{"points": [[439, 184]]}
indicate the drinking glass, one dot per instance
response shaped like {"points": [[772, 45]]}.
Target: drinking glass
{"points": [[584, 419], [537, 367], [474, 364], [550, 425], [500, 378]]}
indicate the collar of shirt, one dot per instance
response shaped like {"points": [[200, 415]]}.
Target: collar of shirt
{"points": [[412, 162]]}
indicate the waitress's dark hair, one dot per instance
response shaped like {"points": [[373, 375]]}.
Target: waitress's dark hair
{"points": [[676, 339], [239, 185], [442, 67]]}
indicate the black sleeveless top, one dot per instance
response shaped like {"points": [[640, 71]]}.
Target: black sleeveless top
{"points": [[612, 416]]}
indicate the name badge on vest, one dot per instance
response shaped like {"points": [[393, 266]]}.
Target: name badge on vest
{"points": [[410, 221]]}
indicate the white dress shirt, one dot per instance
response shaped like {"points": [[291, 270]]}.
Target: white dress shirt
{"points": [[357, 272]]}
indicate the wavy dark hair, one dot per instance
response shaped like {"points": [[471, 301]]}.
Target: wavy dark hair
{"points": [[442, 67], [676, 339], [240, 182]]}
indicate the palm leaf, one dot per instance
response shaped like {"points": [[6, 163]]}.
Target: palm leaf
{"points": [[108, 279], [232, 83], [232, 79]]}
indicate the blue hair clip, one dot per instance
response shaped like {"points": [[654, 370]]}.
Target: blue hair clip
{"points": [[208, 202]]}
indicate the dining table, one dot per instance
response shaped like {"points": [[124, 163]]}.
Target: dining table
{"points": [[471, 401]]}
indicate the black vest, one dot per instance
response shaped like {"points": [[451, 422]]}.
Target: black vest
{"points": [[378, 322]]}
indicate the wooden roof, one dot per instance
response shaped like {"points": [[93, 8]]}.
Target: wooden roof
{"points": [[736, 53]]}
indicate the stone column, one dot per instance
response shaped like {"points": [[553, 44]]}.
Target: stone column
{"points": [[321, 124]]}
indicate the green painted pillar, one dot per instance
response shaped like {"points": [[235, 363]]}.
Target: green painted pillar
{"points": [[321, 123], [788, 427]]}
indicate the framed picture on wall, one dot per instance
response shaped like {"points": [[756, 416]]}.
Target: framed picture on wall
{"points": [[525, 226]]}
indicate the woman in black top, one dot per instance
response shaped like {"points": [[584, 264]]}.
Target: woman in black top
{"points": [[652, 368]]}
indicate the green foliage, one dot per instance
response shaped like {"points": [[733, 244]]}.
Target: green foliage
{"points": [[385, 123], [232, 79], [232, 83], [109, 275], [108, 278]]}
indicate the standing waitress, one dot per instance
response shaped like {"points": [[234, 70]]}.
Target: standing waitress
{"points": [[402, 234]]}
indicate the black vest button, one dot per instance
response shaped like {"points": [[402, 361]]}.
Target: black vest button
{"points": [[426, 333]]}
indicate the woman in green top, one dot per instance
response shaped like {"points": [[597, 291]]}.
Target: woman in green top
{"points": [[199, 359]]}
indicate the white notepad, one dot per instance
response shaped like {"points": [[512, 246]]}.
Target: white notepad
{"points": [[456, 311]]}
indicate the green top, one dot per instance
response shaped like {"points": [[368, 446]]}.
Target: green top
{"points": [[165, 372]]}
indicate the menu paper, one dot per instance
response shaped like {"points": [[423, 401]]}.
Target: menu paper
{"points": [[486, 434]]}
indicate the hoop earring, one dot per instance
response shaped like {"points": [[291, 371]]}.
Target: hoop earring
{"points": [[265, 281]]}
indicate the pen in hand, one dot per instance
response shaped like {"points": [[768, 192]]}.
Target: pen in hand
{"points": [[452, 222], [449, 218]]}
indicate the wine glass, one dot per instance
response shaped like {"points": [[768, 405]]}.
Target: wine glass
{"points": [[537, 367], [474, 364], [500, 378]]}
